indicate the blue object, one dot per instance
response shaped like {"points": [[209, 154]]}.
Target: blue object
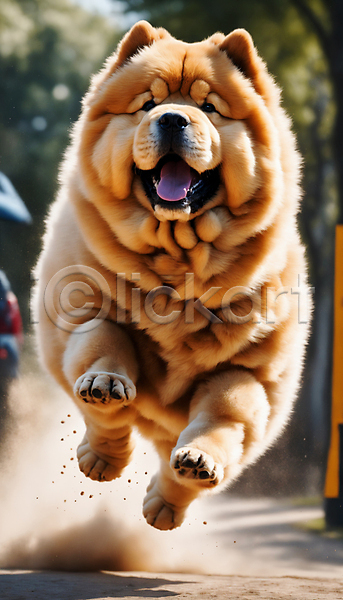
{"points": [[12, 208]]}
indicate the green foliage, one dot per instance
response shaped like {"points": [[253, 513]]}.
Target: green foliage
{"points": [[48, 50], [193, 20]]}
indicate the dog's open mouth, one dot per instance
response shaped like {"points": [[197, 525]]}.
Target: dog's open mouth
{"points": [[175, 185]]}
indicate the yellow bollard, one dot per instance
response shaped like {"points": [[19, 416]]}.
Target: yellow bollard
{"points": [[334, 473]]}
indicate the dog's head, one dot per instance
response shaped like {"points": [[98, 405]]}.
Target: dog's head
{"points": [[182, 127]]}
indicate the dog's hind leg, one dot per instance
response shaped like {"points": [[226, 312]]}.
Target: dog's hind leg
{"points": [[103, 455], [166, 500]]}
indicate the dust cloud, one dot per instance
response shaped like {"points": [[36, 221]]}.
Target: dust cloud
{"points": [[53, 517]]}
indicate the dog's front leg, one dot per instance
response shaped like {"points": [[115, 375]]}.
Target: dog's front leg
{"points": [[101, 367], [228, 427]]}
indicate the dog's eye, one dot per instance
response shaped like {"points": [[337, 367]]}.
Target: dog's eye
{"points": [[148, 105], [209, 108]]}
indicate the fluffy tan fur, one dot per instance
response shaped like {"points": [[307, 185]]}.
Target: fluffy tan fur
{"points": [[212, 394]]}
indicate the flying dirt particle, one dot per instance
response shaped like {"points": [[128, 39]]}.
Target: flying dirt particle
{"points": [[64, 501], [146, 472], [129, 480], [62, 472], [64, 466], [204, 522], [62, 422], [74, 431], [68, 415], [52, 482], [124, 498], [72, 458], [91, 496], [81, 493], [234, 542], [37, 498], [62, 439]]}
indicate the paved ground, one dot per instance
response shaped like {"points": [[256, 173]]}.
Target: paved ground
{"points": [[54, 523]]}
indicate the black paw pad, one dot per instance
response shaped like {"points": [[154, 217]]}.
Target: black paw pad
{"points": [[204, 475]]}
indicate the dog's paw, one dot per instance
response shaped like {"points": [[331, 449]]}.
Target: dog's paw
{"points": [[95, 467], [159, 513], [193, 464], [102, 387]]}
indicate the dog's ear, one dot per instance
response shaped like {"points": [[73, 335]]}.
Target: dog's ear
{"points": [[140, 35], [240, 48]]}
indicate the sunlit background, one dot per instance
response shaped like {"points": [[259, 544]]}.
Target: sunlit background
{"points": [[49, 49]]}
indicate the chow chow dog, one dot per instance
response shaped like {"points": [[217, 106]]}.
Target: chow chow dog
{"points": [[172, 284]]}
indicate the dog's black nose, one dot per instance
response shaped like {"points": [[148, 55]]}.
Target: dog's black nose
{"points": [[173, 121]]}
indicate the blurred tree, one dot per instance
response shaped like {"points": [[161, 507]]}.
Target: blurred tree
{"points": [[326, 20], [48, 49]]}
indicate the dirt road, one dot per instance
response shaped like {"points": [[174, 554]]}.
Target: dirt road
{"points": [[130, 586], [54, 523], [258, 539]]}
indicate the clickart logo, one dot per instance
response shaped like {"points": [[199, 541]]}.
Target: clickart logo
{"points": [[81, 295]]}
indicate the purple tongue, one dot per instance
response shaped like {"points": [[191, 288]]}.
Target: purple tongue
{"points": [[175, 181]]}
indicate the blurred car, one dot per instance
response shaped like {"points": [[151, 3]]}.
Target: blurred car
{"points": [[12, 208], [11, 334]]}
